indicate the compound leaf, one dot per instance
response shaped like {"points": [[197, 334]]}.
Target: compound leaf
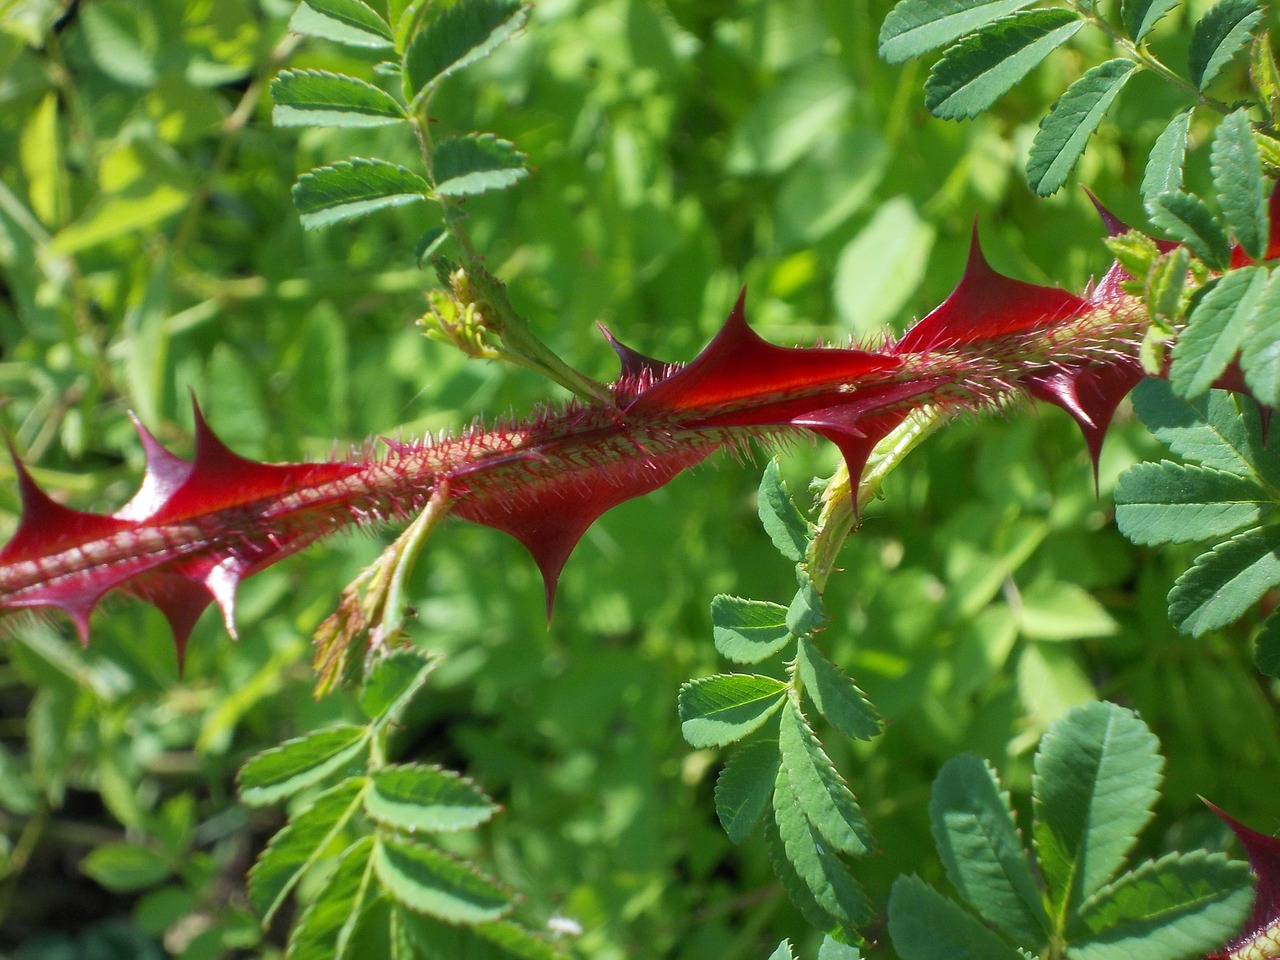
{"points": [[974, 73], [745, 787], [925, 925], [1187, 219], [806, 613], [914, 27], [1097, 776], [1238, 183], [820, 792], [319, 98], [1139, 16], [284, 770], [782, 521], [428, 881], [719, 710], [978, 842], [477, 163], [1182, 905], [835, 695], [1066, 129], [1225, 582], [748, 631], [419, 797], [324, 930], [1163, 173], [345, 21], [460, 35], [1168, 502], [1221, 430], [1217, 327], [1220, 35], [1260, 351], [353, 188]]}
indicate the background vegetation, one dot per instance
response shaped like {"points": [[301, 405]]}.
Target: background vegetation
{"points": [[149, 247]]}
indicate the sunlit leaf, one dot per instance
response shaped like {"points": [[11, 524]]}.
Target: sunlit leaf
{"points": [[284, 770], [1215, 330], [458, 36], [1238, 183], [477, 163], [835, 695], [346, 21], [353, 188], [780, 517], [1173, 503], [1188, 220], [820, 791], [1139, 16], [1065, 130], [914, 27], [419, 797], [318, 98], [1163, 172], [719, 710], [1219, 35], [428, 881], [1223, 584], [748, 631]]}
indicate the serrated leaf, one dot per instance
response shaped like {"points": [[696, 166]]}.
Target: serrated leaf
{"points": [[748, 631], [925, 925], [501, 940], [797, 889], [720, 710], [460, 35], [1163, 173], [477, 163], [1097, 776], [1216, 328], [1188, 220], [1218, 36], [914, 27], [352, 188], [1167, 502], [393, 681], [318, 98], [820, 791], [974, 73], [824, 881], [1166, 284], [419, 797], [1134, 251], [284, 770], [1264, 73], [1238, 183], [1139, 16], [782, 521], [323, 932], [1063, 133], [1221, 430], [125, 867], [1182, 905], [428, 881], [979, 844], [1224, 583], [299, 844], [806, 613], [831, 949], [1266, 655], [835, 695], [783, 952], [345, 21], [1260, 351], [745, 787]]}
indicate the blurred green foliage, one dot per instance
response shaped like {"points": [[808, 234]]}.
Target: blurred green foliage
{"points": [[149, 248]]}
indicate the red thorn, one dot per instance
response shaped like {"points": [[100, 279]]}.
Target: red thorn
{"points": [[1264, 858], [165, 473], [1115, 226], [634, 364]]}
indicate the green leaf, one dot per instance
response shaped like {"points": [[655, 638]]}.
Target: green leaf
{"points": [[817, 881], [1097, 776], [1224, 583], [806, 613], [925, 925], [782, 521], [748, 631], [1187, 220], [1238, 183], [317, 98], [324, 930], [477, 163], [462, 34], [974, 73], [783, 952], [1065, 130], [1221, 430], [1167, 502], [352, 188], [1062, 611], [393, 682], [306, 838], [1221, 33], [835, 695], [819, 790], [418, 797], [1182, 905], [1260, 351], [1163, 173], [835, 950], [745, 787], [981, 850], [1266, 654], [284, 770], [1139, 16], [501, 940], [1166, 284], [346, 21], [428, 881], [914, 27], [1217, 327], [719, 710], [125, 867]]}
